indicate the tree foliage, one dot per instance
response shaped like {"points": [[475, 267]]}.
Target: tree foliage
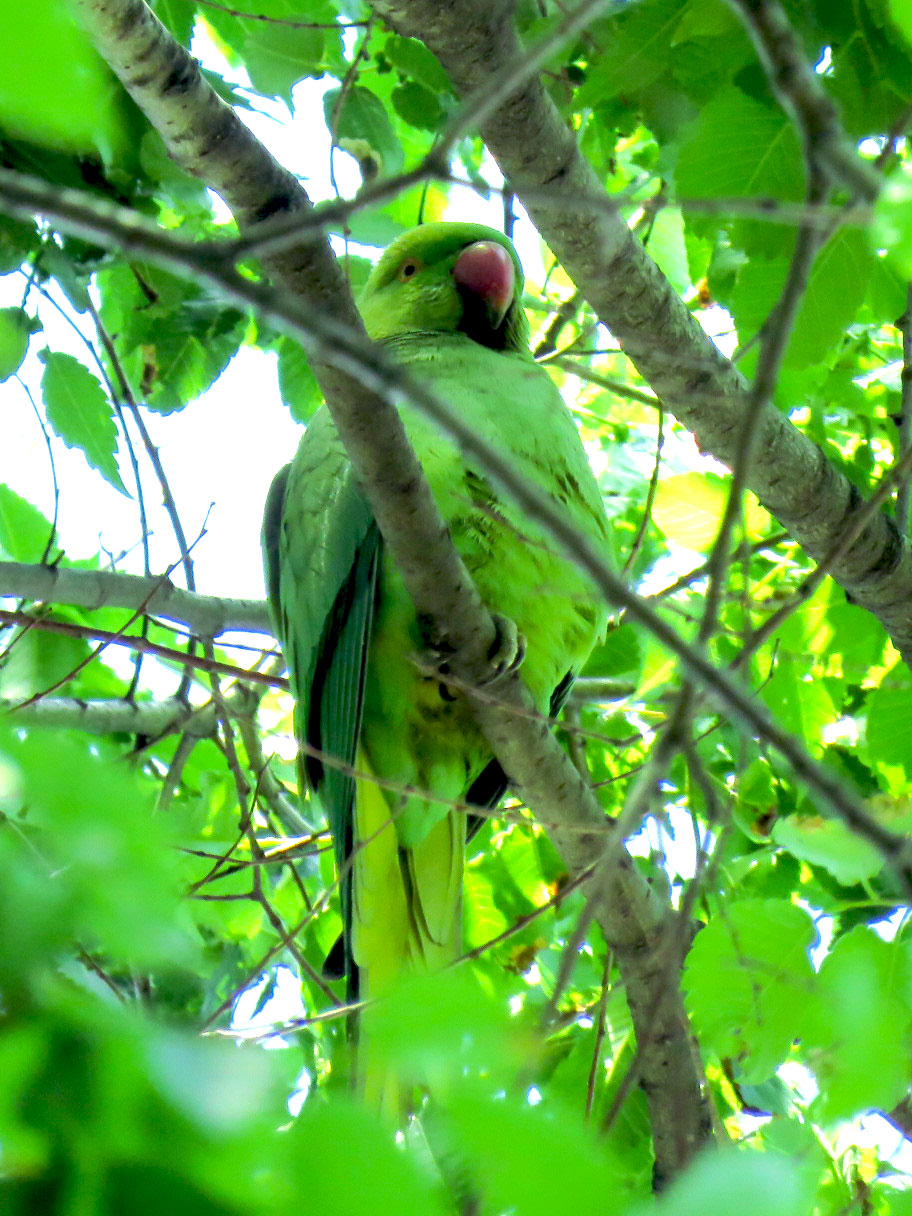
{"points": [[165, 892]]}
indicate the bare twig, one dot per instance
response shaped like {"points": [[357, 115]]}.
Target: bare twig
{"points": [[773, 343], [204, 615], [650, 498], [109, 638], [904, 427]]}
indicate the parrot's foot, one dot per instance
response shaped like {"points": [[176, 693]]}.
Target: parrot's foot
{"points": [[508, 651], [505, 656]]}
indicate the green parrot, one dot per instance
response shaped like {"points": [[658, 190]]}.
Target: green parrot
{"points": [[444, 301]]}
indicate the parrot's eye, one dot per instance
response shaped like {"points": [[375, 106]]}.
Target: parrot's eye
{"points": [[407, 269]]}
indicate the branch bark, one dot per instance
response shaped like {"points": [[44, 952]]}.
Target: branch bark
{"points": [[117, 716], [207, 616], [539, 157]]}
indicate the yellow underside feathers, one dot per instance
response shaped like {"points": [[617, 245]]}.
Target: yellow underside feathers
{"points": [[406, 918]]}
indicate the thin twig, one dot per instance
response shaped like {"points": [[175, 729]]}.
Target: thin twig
{"points": [[650, 498], [904, 437], [108, 638]]}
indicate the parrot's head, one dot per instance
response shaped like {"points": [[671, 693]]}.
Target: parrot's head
{"points": [[448, 278]]}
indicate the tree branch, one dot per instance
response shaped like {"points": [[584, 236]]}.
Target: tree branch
{"points": [[117, 716], [205, 615], [634, 920], [139, 644], [539, 156]]}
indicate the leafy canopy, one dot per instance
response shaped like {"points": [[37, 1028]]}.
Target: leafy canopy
{"points": [[153, 878]]}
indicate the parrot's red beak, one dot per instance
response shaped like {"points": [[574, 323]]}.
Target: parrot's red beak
{"points": [[486, 269]]}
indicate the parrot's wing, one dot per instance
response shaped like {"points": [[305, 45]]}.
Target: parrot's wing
{"points": [[321, 550], [272, 530]]}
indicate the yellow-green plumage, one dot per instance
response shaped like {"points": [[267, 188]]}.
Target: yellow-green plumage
{"points": [[350, 632]]}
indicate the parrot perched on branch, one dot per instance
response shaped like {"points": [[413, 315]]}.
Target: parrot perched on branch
{"points": [[445, 302]]}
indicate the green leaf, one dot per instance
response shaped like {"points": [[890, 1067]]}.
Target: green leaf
{"points": [[889, 727], [297, 383], [17, 240], [417, 105], [16, 327], [619, 653], [705, 19], [870, 101], [633, 51], [327, 1139], [835, 292], [42, 660], [852, 1029], [483, 919], [277, 53], [539, 1162], [104, 869], [856, 637], [80, 413], [892, 226], [414, 59], [733, 1183], [667, 248], [24, 531], [747, 980], [176, 16], [799, 702], [739, 148], [55, 89], [829, 843], [361, 127], [278, 56], [688, 509]]}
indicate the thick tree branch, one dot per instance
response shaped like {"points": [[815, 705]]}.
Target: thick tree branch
{"points": [[207, 616], [205, 136], [539, 156]]}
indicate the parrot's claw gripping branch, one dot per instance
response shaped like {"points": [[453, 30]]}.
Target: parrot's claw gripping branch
{"points": [[505, 656], [507, 651]]}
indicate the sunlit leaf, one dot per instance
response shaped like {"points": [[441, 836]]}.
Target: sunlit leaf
{"points": [[739, 1184], [855, 1022], [747, 980], [16, 327], [79, 411], [24, 532], [56, 89], [829, 843], [297, 383], [688, 509], [360, 126]]}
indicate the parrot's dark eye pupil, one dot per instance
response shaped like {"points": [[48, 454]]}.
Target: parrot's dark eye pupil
{"points": [[408, 270]]}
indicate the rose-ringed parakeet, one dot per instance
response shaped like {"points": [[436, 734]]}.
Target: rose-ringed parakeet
{"points": [[444, 301]]}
